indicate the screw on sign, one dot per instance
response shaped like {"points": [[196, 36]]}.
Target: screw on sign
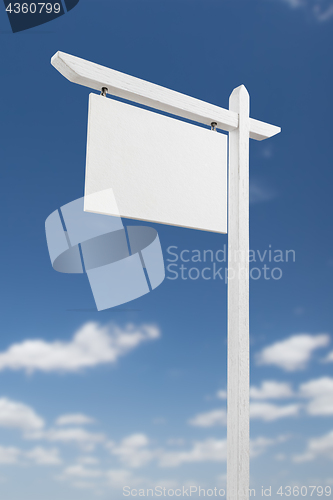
{"points": [[24, 15]]}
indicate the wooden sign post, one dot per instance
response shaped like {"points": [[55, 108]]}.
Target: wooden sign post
{"points": [[241, 128], [238, 416]]}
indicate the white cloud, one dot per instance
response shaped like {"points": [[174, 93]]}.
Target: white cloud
{"points": [[222, 394], [321, 10], [84, 439], [133, 450], [317, 447], [320, 393], [82, 477], [211, 450], [329, 358], [9, 455], [92, 345], [263, 411], [202, 451], [17, 415], [317, 387], [259, 445], [43, 456], [38, 456], [136, 451], [293, 353], [88, 460], [74, 419], [209, 419], [323, 15], [269, 412], [82, 472], [118, 478], [270, 389]]}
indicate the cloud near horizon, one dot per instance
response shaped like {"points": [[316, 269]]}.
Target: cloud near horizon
{"points": [[318, 392], [74, 419], [93, 344], [292, 353], [209, 419], [11, 455], [271, 389], [317, 447], [264, 411], [16, 415], [85, 440]]}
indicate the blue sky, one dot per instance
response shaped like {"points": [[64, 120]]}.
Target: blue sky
{"points": [[81, 416]]}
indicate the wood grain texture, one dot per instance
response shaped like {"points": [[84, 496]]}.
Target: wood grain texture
{"points": [[238, 301], [94, 76]]}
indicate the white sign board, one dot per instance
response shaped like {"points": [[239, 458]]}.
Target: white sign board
{"points": [[160, 169]]}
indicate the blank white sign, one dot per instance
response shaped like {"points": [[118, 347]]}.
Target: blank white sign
{"points": [[159, 169]]}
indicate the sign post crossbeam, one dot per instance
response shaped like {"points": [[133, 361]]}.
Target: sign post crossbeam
{"points": [[96, 77], [241, 128]]}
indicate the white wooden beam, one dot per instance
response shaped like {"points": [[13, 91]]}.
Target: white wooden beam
{"points": [[128, 87], [238, 437], [261, 130], [94, 76]]}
